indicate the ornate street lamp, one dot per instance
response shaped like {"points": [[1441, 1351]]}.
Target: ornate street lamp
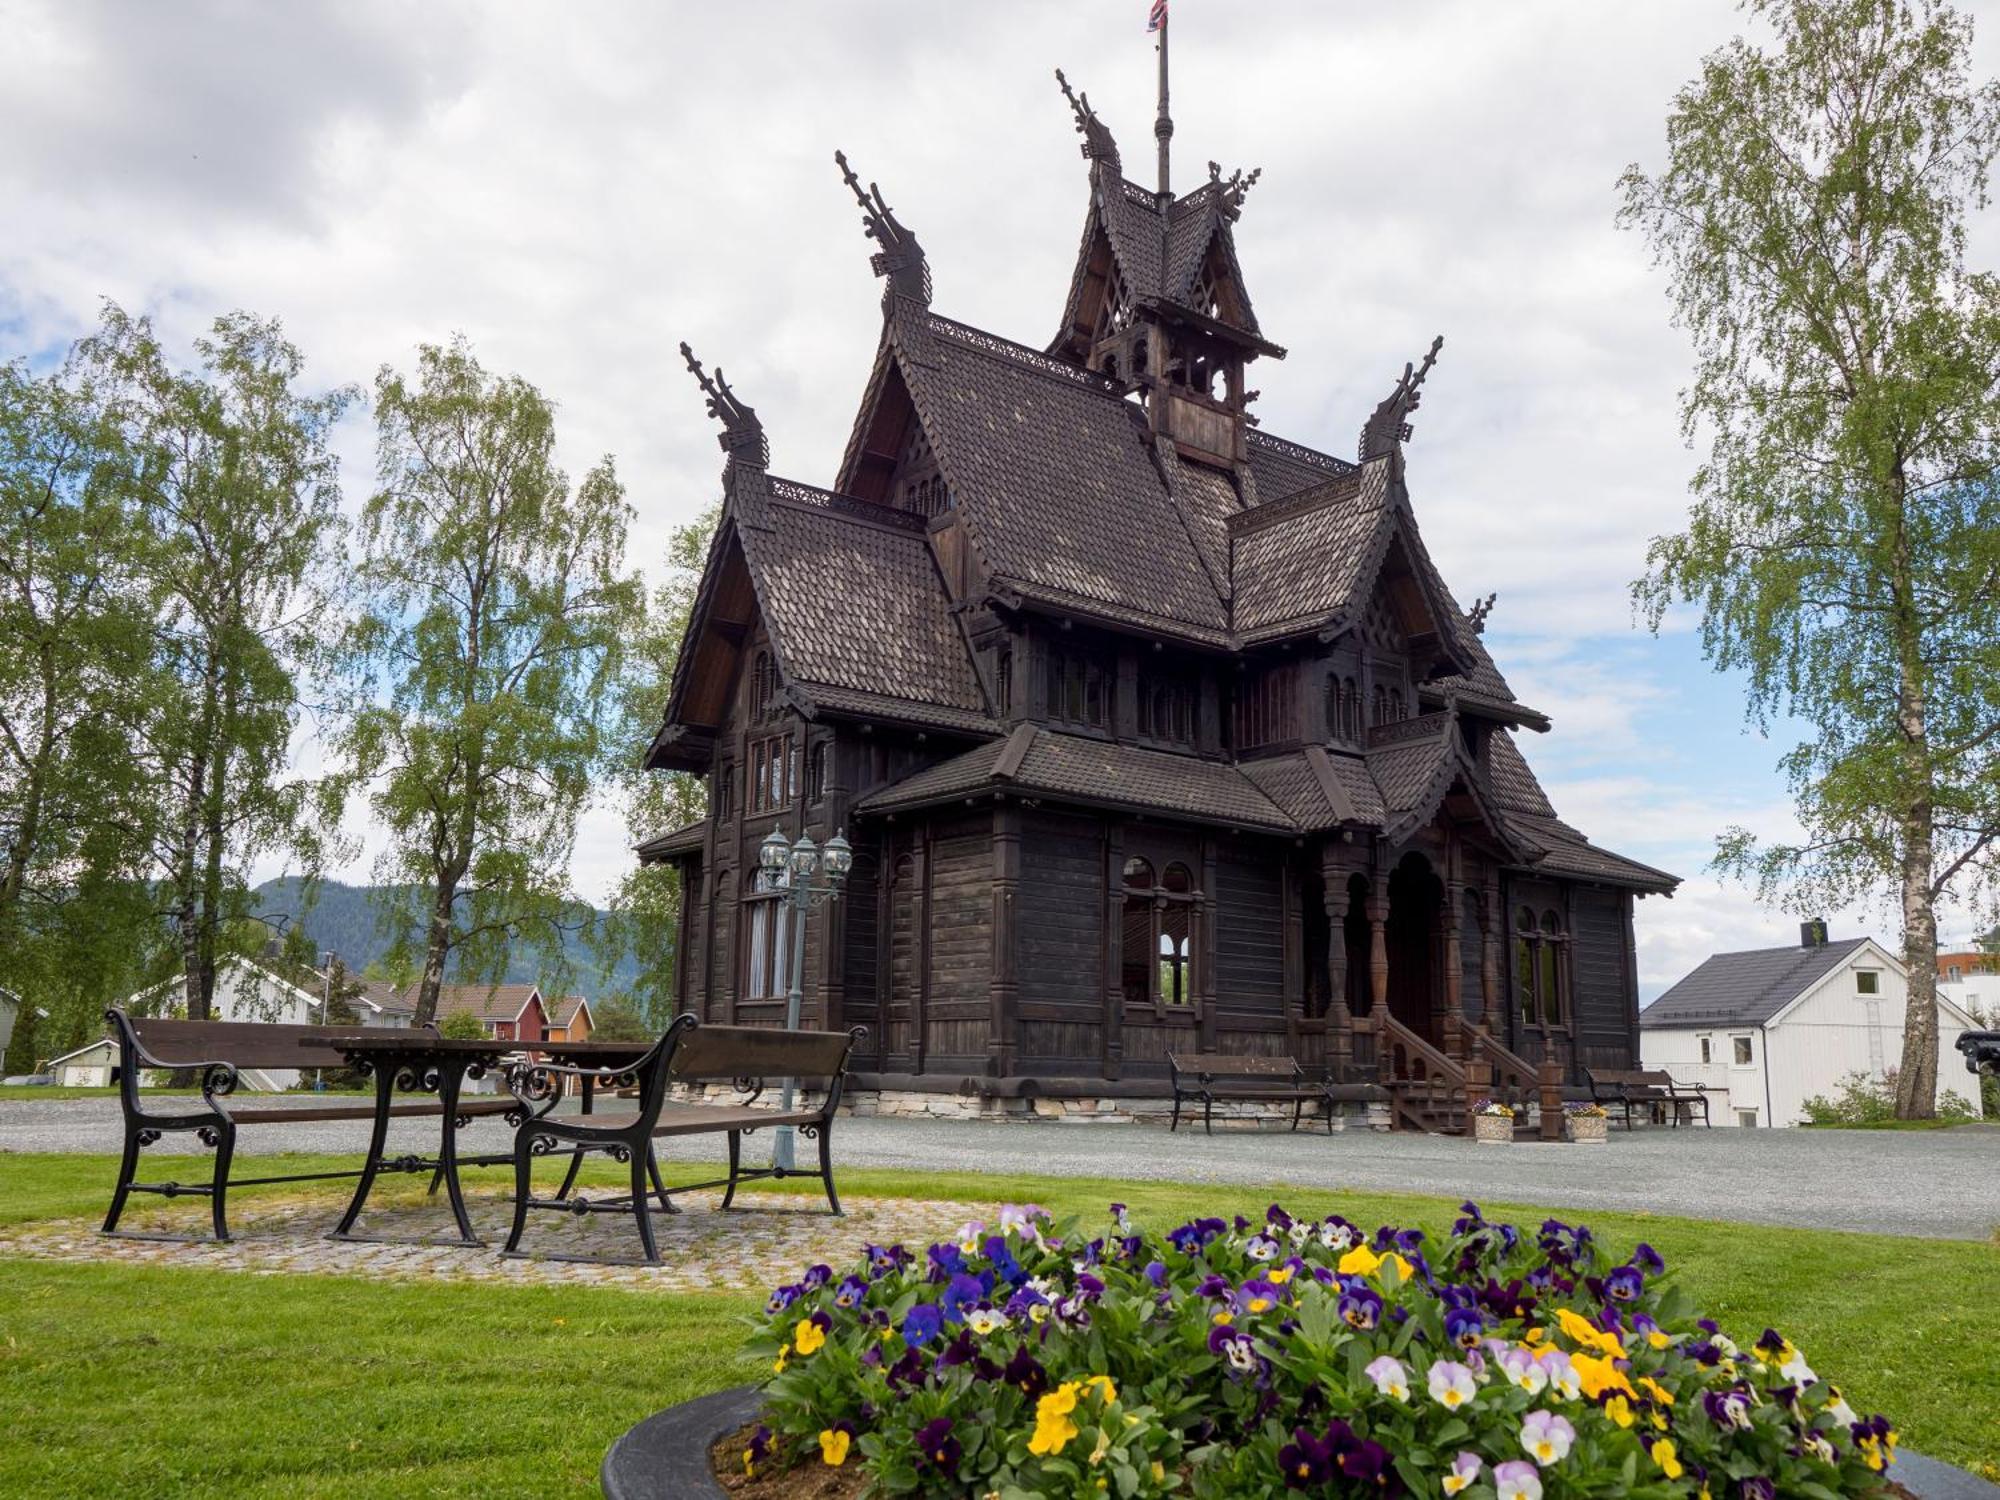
{"points": [[796, 864]]}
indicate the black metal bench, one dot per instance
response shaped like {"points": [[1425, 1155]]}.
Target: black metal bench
{"points": [[1646, 1087], [1210, 1076], [218, 1051], [1982, 1051], [747, 1057]]}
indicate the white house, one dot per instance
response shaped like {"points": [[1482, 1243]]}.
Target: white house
{"points": [[10, 1012], [244, 991], [1764, 1030]]}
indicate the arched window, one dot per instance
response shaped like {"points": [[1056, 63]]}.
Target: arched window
{"points": [[1396, 713], [1378, 702], [1003, 686], [816, 773], [763, 685]]}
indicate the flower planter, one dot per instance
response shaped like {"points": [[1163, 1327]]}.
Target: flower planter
{"points": [[1493, 1130], [666, 1457], [1589, 1130]]}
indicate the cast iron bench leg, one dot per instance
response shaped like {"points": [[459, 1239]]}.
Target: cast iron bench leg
{"points": [[667, 1204], [642, 1155], [225, 1149], [826, 1166], [735, 1166], [1208, 1113], [128, 1168], [1175, 1123], [1298, 1110]]}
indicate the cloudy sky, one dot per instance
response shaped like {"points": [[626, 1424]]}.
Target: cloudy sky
{"points": [[578, 188]]}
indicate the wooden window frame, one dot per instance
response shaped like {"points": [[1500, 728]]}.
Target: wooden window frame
{"points": [[1160, 905], [773, 765], [1542, 997], [767, 935]]}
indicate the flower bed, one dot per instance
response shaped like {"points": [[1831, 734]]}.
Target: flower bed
{"points": [[1032, 1358]]}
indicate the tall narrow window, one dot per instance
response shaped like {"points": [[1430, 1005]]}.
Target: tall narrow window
{"points": [[1003, 684], [767, 939], [1539, 970], [1136, 942], [773, 776], [816, 773], [725, 792], [1080, 690], [1176, 924]]}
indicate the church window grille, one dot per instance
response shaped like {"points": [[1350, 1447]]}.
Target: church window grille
{"points": [[1157, 935], [1267, 708], [816, 773]]}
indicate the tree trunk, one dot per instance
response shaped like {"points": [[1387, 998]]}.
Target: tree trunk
{"points": [[185, 906], [33, 791], [437, 947], [1916, 1078]]}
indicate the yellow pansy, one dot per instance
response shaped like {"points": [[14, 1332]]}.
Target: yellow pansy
{"points": [[1053, 1428], [1587, 1333], [1657, 1391], [1534, 1336], [1103, 1386], [1223, 1319], [1279, 1276], [1668, 1461], [833, 1445], [1599, 1375], [1360, 1261], [779, 1367], [808, 1335], [1619, 1410]]}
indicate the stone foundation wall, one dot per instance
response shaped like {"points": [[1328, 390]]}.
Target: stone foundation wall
{"points": [[909, 1104]]}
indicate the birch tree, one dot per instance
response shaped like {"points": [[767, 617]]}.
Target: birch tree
{"points": [[501, 610], [1844, 543]]}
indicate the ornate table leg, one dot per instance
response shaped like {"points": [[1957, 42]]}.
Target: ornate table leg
{"points": [[385, 1092], [451, 1075], [576, 1156]]}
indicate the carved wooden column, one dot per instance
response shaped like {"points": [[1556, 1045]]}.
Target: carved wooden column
{"points": [[1004, 989], [1378, 958], [1339, 1019], [1492, 929], [1452, 1032]]}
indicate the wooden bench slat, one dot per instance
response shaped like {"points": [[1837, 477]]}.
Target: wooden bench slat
{"points": [[246, 1044], [295, 1114]]}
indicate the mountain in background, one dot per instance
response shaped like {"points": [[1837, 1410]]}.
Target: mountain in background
{"points": [[347, 919]]}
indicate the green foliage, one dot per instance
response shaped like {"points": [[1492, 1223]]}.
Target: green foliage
{"points": [[498, 616], [646, 904], [1846, 528], [618, 1020], [462, 1026], [1861, 1099]]}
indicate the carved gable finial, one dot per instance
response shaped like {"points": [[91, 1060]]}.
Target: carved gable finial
{"points": [[1234, 189], [1481, 608], [901, 258], [1097, 142], [1389, 428], [742, 436]]}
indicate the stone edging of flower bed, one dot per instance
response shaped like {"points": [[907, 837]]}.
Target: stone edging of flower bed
{"points": [[666, 1457]]}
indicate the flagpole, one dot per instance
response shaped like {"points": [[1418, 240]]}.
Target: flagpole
{"points": [[1163, 127]]}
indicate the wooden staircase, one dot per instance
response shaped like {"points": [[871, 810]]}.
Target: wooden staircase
{"points": [[1431, 1092]]}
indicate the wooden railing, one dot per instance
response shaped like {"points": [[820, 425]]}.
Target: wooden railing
{"points": [[1425, 1086]]}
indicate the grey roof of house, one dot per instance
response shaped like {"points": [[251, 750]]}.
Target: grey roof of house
{"points": [[1745, 989]]}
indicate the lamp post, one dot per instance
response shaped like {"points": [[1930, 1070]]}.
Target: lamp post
{"points": [[795, 865]]}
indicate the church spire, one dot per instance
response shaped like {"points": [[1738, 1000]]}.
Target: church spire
{"points": [[742, 436], [1163, 126]]}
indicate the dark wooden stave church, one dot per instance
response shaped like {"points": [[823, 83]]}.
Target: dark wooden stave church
{"points": [[1152, 732]]}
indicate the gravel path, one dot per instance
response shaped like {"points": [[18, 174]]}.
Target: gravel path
{"points": [[1939, 1184]]}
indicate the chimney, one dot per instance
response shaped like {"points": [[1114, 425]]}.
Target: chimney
{"points": [[1812, 933]]}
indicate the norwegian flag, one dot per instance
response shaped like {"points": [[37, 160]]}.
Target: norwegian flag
{"points": [[1157, 18]]}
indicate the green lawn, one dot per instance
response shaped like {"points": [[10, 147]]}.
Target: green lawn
{"points": [[157, 1382]]}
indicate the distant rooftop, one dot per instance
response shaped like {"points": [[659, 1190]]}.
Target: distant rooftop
{"points": [[1748, 988]]}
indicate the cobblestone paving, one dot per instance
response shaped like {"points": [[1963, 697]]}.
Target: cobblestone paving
{"points": [[773, 1238]]}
